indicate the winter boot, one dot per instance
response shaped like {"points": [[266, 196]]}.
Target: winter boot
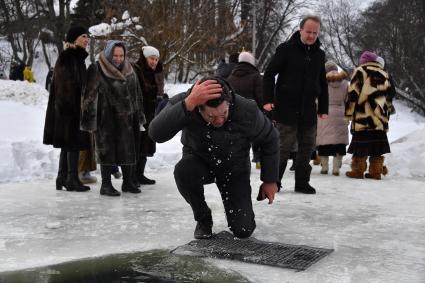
{"points": [[324, 162], [72, 183], [127, 177], [62, 172], [384, 170], [86, 178], [302, 179], [107, 189], [375, 167], [141, 172], [203, 229], [358, 166], [336, 164]]}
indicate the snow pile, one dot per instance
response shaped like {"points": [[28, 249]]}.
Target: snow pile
{"points": [[24, 92]]}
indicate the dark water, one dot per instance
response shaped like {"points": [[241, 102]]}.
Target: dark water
{"points": [[152, 266]]}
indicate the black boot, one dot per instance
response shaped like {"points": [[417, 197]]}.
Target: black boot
{"points": [[127, 183], [63, 171], [203, 229], [282, 168], [302, 179], [72, 182], [107, 189], [141, 172]]}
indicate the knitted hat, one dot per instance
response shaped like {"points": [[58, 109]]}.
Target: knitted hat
{"points": [[331, 66], [74, 32], [246, 57], [381, 61], [150, 51], [367, 56]]}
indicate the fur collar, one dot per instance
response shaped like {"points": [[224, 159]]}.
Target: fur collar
{"points": [[111, 71]]}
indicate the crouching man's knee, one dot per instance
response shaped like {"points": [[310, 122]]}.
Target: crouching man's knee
{"points": [[243, 230]]}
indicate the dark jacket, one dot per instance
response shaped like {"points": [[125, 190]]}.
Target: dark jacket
{"points": [[246, 81], [301, 81], [225, 149], [112, 109], [62, 124], [152, 84]]}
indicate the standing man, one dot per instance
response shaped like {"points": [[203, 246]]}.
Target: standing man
{"points": [[217, 129], [299, 95]]}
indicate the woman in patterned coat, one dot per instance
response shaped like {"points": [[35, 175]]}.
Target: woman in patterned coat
{"points": [[368, 108]]}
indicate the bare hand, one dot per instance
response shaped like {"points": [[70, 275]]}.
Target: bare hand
{"points": [[268, 107], [267, 190], [323, 116], [202, 92]]}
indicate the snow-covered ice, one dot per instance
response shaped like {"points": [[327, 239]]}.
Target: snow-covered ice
{"points": [[375, 227]]}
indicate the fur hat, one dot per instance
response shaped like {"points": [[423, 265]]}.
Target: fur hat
{"points": [[331, 66], [150, 51], [381, 61], [367, 56], [246, 57], [74, 32]]}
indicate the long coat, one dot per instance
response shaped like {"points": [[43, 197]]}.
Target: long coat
{"points": [[301, 81], [112, 109], [334, 129], [369, 98], [225, 149], [246, 80], [62, 124], [152, 84]]}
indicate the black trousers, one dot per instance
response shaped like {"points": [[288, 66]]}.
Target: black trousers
{"points": [[305, 138], [191, 173]]}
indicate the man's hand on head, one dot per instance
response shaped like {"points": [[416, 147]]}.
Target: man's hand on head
{"points": [[202, 92]]}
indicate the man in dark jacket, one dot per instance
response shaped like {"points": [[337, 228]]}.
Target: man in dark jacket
{"points": [[217, 128], [298, 96]]}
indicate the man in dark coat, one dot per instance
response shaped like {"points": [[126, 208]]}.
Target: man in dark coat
{"points": [[62, 125], [217, 129], [149, 70], [112, 109], [300, 66]]}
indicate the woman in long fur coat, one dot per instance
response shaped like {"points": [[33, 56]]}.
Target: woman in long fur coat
{"points": [[368, 108], [149, 70], [62, 124], [112, 110]]}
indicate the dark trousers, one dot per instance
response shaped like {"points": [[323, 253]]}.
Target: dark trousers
{"points": [[305, 137], [191, 173]]}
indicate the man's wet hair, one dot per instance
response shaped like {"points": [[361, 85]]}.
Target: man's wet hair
{"points": [[314, 18], [226, 94]]}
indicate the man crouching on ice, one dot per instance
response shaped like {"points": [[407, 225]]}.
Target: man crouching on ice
{"points": [[217, 129]]}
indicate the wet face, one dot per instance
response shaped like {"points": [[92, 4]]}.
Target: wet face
{"points": [[216, 116], [310, 32], [82, 41], [118, 56], [152, 62]]}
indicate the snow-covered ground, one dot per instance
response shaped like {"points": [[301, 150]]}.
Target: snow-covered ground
{"points": [[376, 227]]}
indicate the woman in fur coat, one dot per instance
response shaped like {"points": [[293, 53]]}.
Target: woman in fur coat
{"points": [[368, 108], [332, 133], [149, 70], [62, 124], [112, 110]]}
